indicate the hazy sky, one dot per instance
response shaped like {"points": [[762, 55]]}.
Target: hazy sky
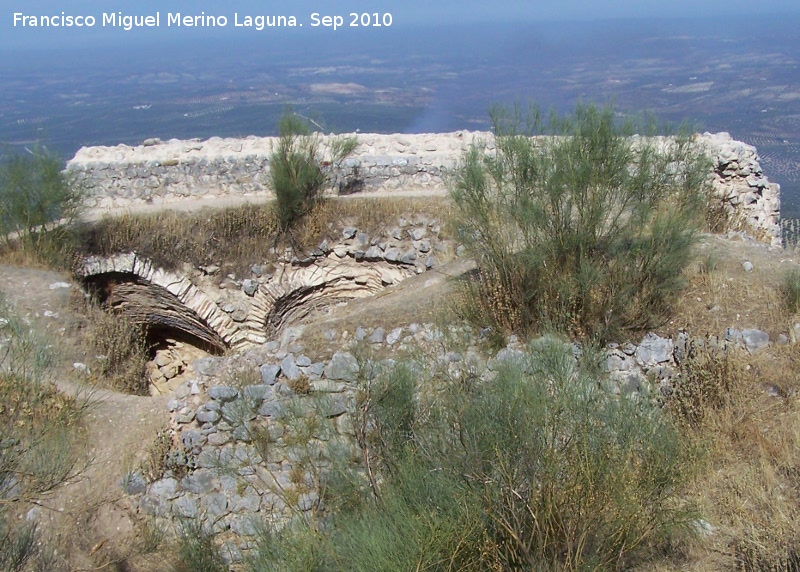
{"points": [[404, 12]]}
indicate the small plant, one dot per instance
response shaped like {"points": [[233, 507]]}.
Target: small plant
{"points": [[19, 545], [791, 291], [240, 376], [299, 172], [301, 385], [756, 553], [155, 463], [197, 551], [122, 349], [151, 536], [705, 384], [708, 264]]}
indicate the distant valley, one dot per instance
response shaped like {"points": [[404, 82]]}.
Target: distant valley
{"points": [[736, 76]]}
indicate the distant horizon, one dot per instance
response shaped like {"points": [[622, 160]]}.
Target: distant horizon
{"points": [[404, 15], [197, 38], [413, 78]]}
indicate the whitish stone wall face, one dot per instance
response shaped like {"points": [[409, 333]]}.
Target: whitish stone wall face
{"points": [[738, 181], [161, 172]]}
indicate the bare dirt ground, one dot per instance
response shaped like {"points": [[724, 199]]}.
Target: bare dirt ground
{"points": [[91, 515], [722, 292]]}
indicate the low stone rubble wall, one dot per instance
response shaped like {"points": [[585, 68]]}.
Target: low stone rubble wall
{"points": [[162, 172]]}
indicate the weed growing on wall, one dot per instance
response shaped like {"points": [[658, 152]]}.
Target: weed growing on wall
{"points": [[299, 172]]}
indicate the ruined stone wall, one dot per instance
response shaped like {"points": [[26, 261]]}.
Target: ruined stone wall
{"points": [[161, 172], [253, 434], [240, 314]]}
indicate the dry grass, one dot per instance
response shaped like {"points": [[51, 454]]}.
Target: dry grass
{"points": [[482, 299], [119, 347], [154, 463], [721, 294], [234, 236], [240, 376], [747, 420], [238, 237], [52, 249]]}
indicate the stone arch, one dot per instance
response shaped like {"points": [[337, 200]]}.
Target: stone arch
{"points": [[172, 303], [161, 299]]}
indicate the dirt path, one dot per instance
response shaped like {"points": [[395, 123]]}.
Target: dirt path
{"points": [[119, 428]]}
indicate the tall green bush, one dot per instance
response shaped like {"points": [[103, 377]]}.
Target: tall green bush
{"points": [[577, 225], [35, 195], [299, 171]]}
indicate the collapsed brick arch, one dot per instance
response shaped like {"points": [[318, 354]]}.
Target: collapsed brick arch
{"points": [[300, 290], [162, 300], [164, 315], [173, 307]]}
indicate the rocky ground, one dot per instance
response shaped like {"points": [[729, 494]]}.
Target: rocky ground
{"points": [[223, 419]]}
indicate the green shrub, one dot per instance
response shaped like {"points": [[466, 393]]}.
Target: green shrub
{"points": [[197, 551], [389, 414], [35, 196], [584, 229], [18, 544], [791, 291], [537, 469], [299, 172], [568, 476], [295, 548], [40, 444]]}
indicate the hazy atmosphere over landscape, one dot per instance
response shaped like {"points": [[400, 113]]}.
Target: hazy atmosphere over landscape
{"points": [[416, 66]]}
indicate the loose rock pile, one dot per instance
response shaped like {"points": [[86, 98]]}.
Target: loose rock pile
{"points": [[172, 366]]}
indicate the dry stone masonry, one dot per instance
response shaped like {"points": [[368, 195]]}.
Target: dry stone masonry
{"points": [[238, 314], [738, 181], [161, 172], [254, 433]]}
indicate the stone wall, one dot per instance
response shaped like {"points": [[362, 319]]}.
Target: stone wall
{"points": [[747, 196], [166, 171], [253, 434], [161, 172]]}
